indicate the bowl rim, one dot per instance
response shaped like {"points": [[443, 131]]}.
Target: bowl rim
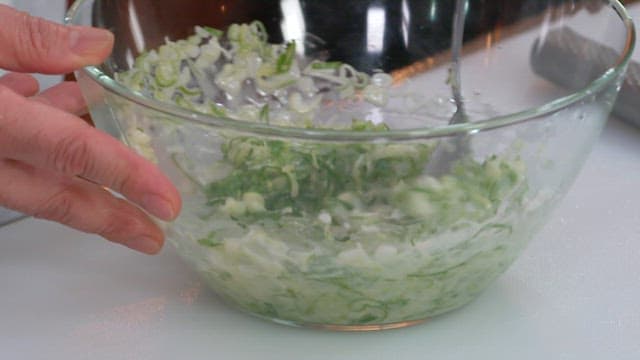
{"points": [[611, 74]]}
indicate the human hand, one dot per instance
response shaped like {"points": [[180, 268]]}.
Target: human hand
{"points": [[55, 166]]}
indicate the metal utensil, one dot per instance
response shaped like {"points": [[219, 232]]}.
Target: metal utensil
{"points": [[449, 151]]}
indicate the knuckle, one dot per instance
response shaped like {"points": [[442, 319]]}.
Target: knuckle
{"points": [[72, 155], [37, 38], [124, 180], [119, 224], [58, 207], [112, 227]]}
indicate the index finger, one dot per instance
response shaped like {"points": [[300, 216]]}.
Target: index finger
{"points": [[33, 44], [43, 136]]}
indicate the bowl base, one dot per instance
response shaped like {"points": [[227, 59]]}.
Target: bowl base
{"points": [[350, 328]]}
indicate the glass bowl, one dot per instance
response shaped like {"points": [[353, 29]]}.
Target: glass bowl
{"points": [[365, 227]]}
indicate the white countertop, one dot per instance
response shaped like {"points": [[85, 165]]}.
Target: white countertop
{"points": [[573, 294]]}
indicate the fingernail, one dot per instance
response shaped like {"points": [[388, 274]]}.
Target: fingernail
{"points": [[158, 206], [145, 245], [85, 41]]}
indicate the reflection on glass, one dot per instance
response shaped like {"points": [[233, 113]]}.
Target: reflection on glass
{"points": [[406, 20], [376, 23], [136, 30], [433, 11], [292, 26]]}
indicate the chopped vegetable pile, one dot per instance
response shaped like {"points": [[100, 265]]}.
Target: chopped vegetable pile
{"points": [[321, 232], [239, 75]]}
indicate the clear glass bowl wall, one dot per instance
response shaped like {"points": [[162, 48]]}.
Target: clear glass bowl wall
{"points": [[383, 243]]}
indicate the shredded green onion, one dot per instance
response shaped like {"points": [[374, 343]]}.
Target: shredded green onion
{"points": [[213, 31], [321, 232], [286, 59], [222, 67]]}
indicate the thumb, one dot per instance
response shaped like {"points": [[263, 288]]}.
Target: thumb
{"points": [[32, 44]]}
